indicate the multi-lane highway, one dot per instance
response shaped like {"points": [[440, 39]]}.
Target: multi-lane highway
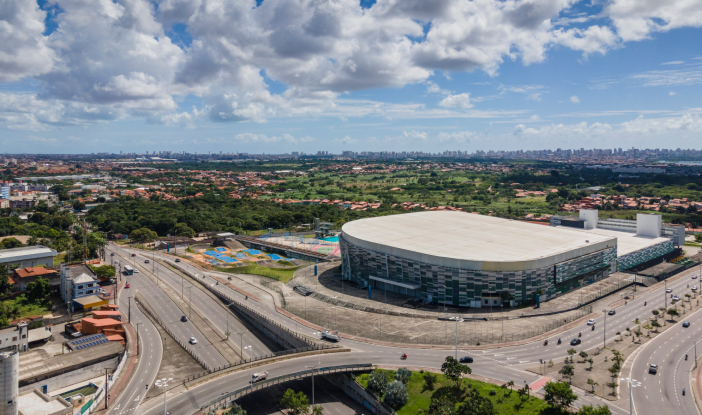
{"points": [[503, 364]]}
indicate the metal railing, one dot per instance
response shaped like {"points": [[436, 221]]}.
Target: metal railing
{"points": [[228, 397]]}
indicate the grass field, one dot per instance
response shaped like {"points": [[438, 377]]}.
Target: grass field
{"points": [[420, 395], [281, 274]]}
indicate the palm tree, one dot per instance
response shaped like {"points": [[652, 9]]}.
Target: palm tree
{"points": [[510, 384], [592, 383]]}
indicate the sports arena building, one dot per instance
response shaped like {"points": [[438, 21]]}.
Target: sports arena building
{"points": [[463, 259]]}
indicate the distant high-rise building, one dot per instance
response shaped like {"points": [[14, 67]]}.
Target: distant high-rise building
{"points": [[5, 192]]}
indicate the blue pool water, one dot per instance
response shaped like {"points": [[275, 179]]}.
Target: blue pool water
{"points": [[331, 239]]}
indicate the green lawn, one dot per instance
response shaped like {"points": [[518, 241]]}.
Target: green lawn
{"points": [[58, 259], [420, 395], [281, 274]]}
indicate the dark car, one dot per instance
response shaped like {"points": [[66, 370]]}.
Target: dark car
{"points": [[466, 359], [653, 368], [177, 259], [112, 254], [686, 324], [184, 318], [575, 342], [612, 312], [133, 254]]}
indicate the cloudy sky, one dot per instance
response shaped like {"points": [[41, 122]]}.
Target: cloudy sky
{"points": [[276, 76]]}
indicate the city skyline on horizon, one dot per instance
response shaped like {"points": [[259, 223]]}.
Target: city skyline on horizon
{"points": [[279, 76]]}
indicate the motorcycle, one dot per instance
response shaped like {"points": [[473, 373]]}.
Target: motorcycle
{"points": [[580, 335], [593, 328], [683, 391], [559, 341], [685, 357], [645, 303], [403, 356], [545, 342]]}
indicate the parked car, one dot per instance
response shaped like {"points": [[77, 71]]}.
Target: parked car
{"points": [[612, 312], [466, 359], [653, 368], [686, 324], [126, 285], [193, 340], [575, 342], [694, 288], [183, 318], [591, 322]]}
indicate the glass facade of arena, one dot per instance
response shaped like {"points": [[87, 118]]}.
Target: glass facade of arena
{"points": [[464, 287]]}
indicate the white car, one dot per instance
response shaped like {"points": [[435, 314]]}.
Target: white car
{"points": [[136, 271], [694, 288], [591, 322], [669, 290], [694, 277], [676, 298], [193, 340]]}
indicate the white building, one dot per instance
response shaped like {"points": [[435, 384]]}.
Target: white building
{"points": [[28, 256], [15, 337]]}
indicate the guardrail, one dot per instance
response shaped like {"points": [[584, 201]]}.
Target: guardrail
{"points": [[222, 400]]}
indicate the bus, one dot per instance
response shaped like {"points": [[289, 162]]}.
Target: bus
{"points": [[129, 270]]}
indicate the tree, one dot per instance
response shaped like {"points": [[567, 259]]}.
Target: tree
{"points": [[429, 380], [296, 402], [584, 355], [403, 375], [9, 243], [592, 383], [571, 352], [476, 404], [317, 410], [672, 312], [182, 229], [234, 410], [655, 313], [142, 234], [396, 394], [442, 405], [5, 285], [567, 371], [453, 369], [38, 291], [559, 395], [104, 271], [591, 410], [377, 382]]}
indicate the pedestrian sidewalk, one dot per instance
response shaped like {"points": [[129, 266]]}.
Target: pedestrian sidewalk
{"points": [[127, 372]]}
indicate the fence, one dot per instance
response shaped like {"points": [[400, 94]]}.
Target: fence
{"points": [[271, 285], [221, 401]]}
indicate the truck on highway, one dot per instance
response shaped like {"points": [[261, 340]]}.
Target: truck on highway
{"points": [[331, 335], [258, 376]]}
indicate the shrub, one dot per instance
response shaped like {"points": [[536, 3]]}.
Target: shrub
{"points": [[403, 375], [492, 392], [396, 394], [377, 382]]}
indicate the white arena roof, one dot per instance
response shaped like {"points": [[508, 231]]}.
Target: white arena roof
{"points": [[628, 242], [470, 241]]}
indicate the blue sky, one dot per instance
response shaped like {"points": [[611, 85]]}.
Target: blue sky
{"points": [[276, 76]]}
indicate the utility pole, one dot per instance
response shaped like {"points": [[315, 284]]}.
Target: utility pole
{"points": [[107, 385], [130, 310], [313, 369]]}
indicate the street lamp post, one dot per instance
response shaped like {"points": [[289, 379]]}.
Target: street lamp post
{"points": [[241, 343], [335, 326], [129, 317], [604, 332], [190, 304], [313, 369], [163, 383], [457, 320]]}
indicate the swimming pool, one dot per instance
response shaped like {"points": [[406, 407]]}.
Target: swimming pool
{"points": [[331, 239]]}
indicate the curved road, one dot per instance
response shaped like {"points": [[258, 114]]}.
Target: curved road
{"points": [[503, 364]]}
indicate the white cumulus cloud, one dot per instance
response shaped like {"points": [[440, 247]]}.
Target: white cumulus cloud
{"points": [[457, 101]]}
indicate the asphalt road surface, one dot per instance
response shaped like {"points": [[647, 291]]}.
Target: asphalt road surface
{"points": [[503, 364]]}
